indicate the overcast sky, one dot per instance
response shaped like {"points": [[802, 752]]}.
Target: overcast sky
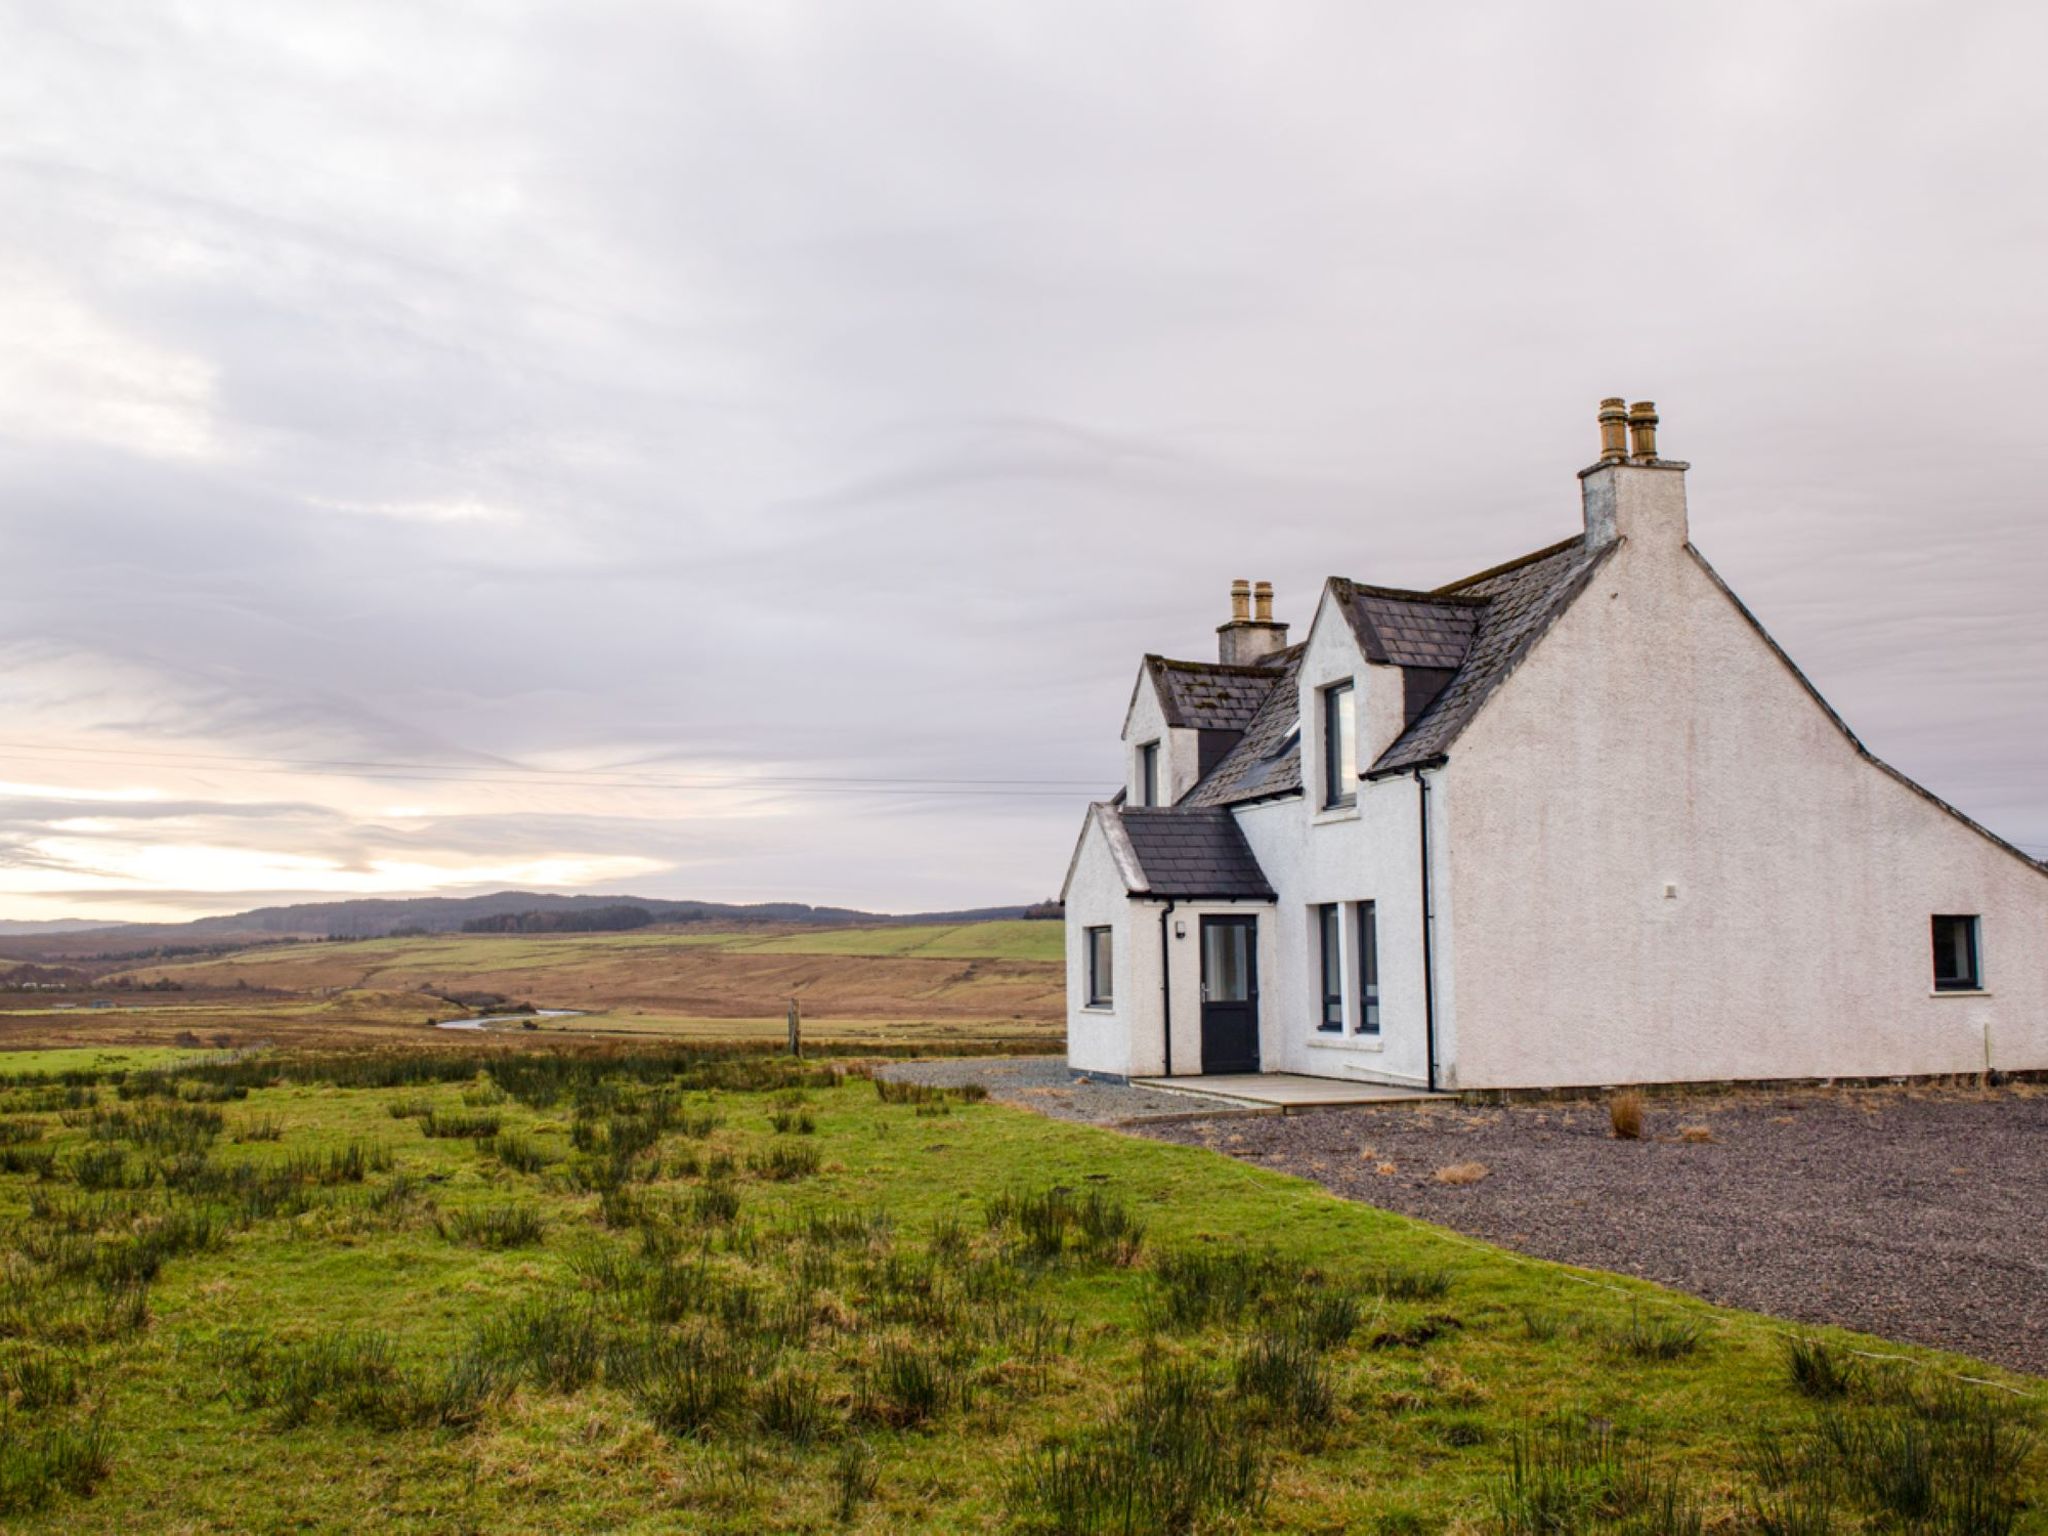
{"points": [[614, 447]]}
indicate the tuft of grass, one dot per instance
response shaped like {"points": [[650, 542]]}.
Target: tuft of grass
{"points": [[1625, 1116], [688, 1383], [716, 1203], [910, 1384], [1820, 1369], [463, 1127], [854, 1480], [1050, 1224], [38, 1381], [1285, 1373], [260, 1128], [1395, 1282], [1562, 1473], [791, 1406], [1655, 1336], [1172, 1457], [38, 1463], [784, 1161], [520, 1153], [792, 1122], [494, 1226]]}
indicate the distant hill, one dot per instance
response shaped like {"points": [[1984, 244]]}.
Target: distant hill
{"points": [[378, 917], [11, 927]]}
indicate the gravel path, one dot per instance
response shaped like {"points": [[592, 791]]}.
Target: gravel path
{"points": [[1043, 1083], [1917, 1215]]}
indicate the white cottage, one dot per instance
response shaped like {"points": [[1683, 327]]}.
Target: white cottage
{"points": [[1574, 821]]}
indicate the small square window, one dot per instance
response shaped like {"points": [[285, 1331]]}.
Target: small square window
{"points": [[1101, 978], [1958, 958]]}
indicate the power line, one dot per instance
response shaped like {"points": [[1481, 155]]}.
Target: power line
{"points": [[533, 778]]}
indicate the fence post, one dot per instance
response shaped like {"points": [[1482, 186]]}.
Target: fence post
{"points": [[796, 1031]]}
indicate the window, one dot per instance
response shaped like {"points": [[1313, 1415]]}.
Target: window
{"points": [[1330, 918], [1340, 747], [1369, 968], [1148, 773], [1101, 979], [1958, 966]]}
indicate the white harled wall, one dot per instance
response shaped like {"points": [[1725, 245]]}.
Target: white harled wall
{"points": [[1673, 866], [1179, 747], [1364, 852], [1102, 1039]]}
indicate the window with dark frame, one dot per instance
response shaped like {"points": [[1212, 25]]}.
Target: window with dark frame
{"points": [[1368, 968], [1330, 917], [1148, 773], [1340, 747], [1101, 976], [1958, 958]]}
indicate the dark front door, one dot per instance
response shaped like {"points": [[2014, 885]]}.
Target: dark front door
{"points": [[1230, 994]]}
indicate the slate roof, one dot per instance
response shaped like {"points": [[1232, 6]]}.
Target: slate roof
{"points": [[1265, 763], [1192, 853], [1478, 628], [1207, 696], [1410, 629], [1522, 600]]}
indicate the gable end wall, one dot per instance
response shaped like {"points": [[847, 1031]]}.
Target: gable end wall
{"points": [[1654, 738]]}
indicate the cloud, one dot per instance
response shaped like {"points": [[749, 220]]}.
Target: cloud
{"points": [[68, 371]]}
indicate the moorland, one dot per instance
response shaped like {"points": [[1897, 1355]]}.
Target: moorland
{"points": [[656, 1286], [953, 986]]}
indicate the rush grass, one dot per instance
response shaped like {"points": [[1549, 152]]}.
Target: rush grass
{"points": [[635, 1301]]}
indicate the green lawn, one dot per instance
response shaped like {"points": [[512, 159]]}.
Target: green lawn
{"points": [[1014, 940], [877, 1317], [95, 1059]]}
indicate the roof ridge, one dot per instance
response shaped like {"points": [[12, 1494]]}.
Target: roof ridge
{"points": [[1450, 588], [1415, 594], [1237, 668]]}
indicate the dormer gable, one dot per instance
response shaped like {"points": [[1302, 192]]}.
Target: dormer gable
{"points": [[1395, 650], [1184, 718]]}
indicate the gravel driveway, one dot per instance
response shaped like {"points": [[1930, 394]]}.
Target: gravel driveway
{"points": [[1043, 1083], [1917, 1215]]}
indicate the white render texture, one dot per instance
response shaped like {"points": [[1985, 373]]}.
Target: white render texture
{"points": [[1179, 747], [1654, 742]]}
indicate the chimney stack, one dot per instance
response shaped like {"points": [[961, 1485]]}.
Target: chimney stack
{"points": [[1631, 493], [1248, 639]]}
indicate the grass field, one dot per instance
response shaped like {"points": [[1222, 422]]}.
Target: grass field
{"points": [[1001, 980], [715, 1291], [173, 1020], [94, 1060]]}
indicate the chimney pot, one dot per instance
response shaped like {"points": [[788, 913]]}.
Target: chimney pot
{"points": [[1613, 430], [1246, 641], [1642, 429]]}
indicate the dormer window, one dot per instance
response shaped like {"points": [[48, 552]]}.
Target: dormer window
{"points": [[1148, 773], [1340, 746]]}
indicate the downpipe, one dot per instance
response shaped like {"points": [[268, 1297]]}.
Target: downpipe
{"points": [[1166, 983], [1428, 937]]}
